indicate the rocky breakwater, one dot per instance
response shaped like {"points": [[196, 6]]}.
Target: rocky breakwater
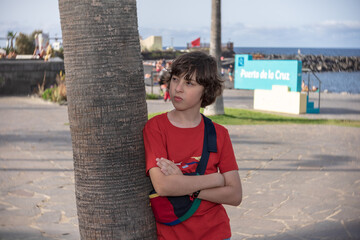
{"points": [[321, 63]]}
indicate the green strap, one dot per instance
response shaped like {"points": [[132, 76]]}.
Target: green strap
{"points": [[192, 210]]}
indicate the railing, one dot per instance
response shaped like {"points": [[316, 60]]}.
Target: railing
{"points": [[309, 72], [152, 80], [228, 45], [202, 45]]}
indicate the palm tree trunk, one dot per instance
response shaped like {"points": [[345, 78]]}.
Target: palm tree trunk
{"points": [[107, 111], [217, 108]]}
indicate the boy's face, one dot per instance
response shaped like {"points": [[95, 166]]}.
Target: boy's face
{"points": [[185, 94]]}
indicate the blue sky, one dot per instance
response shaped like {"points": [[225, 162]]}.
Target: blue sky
{"points": [[247, 23]]}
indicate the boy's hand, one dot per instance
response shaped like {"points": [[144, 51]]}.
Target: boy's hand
{"points": [[168, 167]]}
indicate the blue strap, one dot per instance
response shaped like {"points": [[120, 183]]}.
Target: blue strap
{"points": [[208, 146]]}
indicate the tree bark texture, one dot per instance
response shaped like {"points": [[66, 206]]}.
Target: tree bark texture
{"points": [[107, 112], [217, 108]]}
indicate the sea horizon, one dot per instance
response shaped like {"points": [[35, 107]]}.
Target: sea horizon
{"points": [[344, 52]]}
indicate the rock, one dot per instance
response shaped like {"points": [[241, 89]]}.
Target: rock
{"points": [[321, 63], [319, 67]]}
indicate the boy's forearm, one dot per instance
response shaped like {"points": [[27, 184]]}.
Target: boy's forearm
{"points": [[230, 194], [179, 185], [222, 195]]}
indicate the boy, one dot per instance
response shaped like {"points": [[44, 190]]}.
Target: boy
{"points": [[173, 146]]}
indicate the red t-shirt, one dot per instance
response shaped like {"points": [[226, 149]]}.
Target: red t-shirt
{"points": [[184, 147]]}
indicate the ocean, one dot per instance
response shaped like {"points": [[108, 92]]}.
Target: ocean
{"points": [[346, 52], [336, 82]]}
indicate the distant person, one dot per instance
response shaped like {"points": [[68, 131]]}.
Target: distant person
{"points": [[11, 55], [231, 72], [2, 54], [158, 66], [49, 52], [36, 53], [164, 76], [222, 69], [304, 87], [299, 55], [163, 63], [43, 51], [164, 85]]}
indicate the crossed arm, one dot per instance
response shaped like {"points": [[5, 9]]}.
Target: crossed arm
{"points": [[168, 180]]}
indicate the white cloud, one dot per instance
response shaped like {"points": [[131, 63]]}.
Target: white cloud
{"points": [[340, 24], [325, 34]]}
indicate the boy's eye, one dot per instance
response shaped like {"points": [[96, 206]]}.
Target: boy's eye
{"points": [[174, 78], [189, 83]]}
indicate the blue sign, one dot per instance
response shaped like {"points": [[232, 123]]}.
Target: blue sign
{"points": [[263, 74], [241, 61]]}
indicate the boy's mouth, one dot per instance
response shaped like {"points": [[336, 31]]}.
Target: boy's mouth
{"points": [[177, 99]]}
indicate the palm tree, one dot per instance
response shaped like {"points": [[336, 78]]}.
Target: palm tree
{"points": [[217, 108], [10, 37], [107, 111]]}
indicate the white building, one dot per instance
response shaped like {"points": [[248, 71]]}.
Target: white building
{"points": [[56, 45], [152, 43]]}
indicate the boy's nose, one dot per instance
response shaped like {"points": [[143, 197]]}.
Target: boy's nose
{"points": [[180, 86]]}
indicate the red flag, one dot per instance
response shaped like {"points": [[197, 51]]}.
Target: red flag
{"points": [[195, 43]]}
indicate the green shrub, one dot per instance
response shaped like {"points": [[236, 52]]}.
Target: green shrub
{"points": [[47, 94], [57, 93], [152, 96]]}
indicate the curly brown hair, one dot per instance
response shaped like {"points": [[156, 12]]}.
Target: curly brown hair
{"points": [[204, 68]]}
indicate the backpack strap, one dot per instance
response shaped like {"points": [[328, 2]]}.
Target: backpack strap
{"points": [[208, 146]]}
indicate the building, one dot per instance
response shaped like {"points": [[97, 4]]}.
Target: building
{"points": [[56, 45], [152, 43]]}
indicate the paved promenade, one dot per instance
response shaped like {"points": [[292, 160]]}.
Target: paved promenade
{"points": [[299, 181]]}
